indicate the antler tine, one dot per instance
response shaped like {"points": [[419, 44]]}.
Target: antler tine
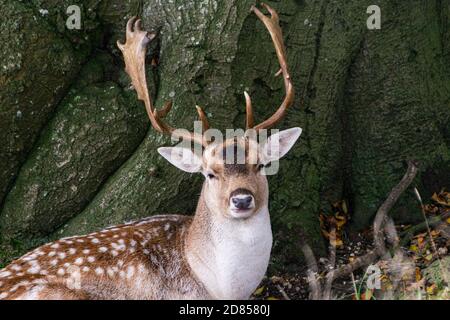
{"points": [[159, 114], [134, 51], [203, 118], [273, 26], [249, 111]]}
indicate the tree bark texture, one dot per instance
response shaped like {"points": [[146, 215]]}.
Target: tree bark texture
{"points": [[77, 154]]}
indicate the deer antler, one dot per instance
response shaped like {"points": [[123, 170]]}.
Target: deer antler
{"points": [[273, 26], [134, 51]]}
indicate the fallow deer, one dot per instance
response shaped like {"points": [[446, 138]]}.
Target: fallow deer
{"points": [[222, 252]]}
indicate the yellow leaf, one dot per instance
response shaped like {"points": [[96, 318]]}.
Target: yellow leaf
{"points": [[420, 241], [429, 257], [344, 207], [259, 291], [413, 248], [272, 298], [430, 289], [434, 233], [340, 222], [418, 275], [448, 220], [336, 243]]}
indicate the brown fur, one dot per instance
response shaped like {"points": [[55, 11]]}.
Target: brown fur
{"points": [[141, 260]]}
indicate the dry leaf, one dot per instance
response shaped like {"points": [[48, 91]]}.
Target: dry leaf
{"points": [[431, 289], [259, 291], [429, 257], [418, 274]]}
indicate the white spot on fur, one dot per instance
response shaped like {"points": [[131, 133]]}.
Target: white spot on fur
{"points": [[110, 272], [15, 267], [34, 269], [130, 272], [102, 249], [99, 271], [79, 261], [91, 259]]}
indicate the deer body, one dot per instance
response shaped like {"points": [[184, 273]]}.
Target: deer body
{"points": [[221, 253], [162, 257]]}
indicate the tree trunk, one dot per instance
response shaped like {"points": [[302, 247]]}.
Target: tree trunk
{"points": [[367, 100]]}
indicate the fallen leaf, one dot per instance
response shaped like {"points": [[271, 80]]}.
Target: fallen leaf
{"points": [[336, 243], [443, 198], [259, 291], [431, 289], [418, 274], [435, 233]]}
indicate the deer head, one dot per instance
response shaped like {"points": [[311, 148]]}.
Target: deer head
{"points": [[234, 169]]}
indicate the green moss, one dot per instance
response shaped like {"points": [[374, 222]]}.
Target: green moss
{"points": [[93, 132], [37, 66]]}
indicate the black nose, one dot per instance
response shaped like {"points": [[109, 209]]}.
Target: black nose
{"points": [[242, 202]]}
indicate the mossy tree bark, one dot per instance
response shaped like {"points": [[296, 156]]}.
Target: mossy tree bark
{"points": [[366, 99]]}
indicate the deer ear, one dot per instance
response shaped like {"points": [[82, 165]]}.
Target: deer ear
{"points": [[182, 158], [279, 144]]}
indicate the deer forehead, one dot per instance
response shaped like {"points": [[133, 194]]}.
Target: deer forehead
{"points": [[232, 152]]}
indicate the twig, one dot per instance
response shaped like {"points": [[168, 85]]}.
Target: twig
{"points": [[381, 216], [379, 223], [407, 235], [283, 293], [313, 282]]}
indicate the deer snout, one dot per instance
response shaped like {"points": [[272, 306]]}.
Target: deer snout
{"points": [[241, 200]]}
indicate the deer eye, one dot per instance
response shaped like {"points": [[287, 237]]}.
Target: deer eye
{"points": [[260, 166], [211, 176]]}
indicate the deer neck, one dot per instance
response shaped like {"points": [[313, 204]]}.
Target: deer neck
{"points": [[228, 256]]}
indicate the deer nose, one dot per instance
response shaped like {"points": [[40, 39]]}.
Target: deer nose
{"points": [[242, 202]]}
